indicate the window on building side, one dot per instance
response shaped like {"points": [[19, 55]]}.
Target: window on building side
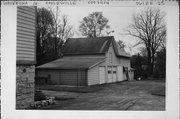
{"points": [[110, 57]]}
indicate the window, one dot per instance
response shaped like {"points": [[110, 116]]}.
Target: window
{"points": [[114, 69], [110, 57], [114, 72]]}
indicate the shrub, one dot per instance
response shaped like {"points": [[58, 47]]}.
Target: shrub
{"points": [[39, 96]]}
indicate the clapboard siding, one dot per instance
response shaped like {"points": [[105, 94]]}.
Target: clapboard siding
{"points": [[26, 60], [64, 77], [22, 32], [26, 11], [26, 42], [26, 34], [24, 50], [28, 45], [21, 18], [22, 21], [69, 77], [93, 76], [25, 56], [25, 37], [26, 28], [25, 15]]}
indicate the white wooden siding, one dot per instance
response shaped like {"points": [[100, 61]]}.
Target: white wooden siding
{"points": [[114, 73], [117, 60], [26, 30], [120, 73], [102, 77], [125, 62], [93, 76], [121, 61]]}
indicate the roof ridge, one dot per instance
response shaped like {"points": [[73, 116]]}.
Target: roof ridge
{"points": [[103, 46]]}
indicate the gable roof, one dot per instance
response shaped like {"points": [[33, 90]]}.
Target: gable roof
{"points": [[119, 52], [72, 63], [87, 45], [97, 45]]}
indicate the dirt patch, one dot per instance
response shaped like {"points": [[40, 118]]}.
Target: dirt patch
{"points": [[133, 95], [60, 95], [80, 89], [159, 91]]}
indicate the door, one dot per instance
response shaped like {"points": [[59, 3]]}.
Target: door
{"points": [[68, 77], [110, 76], [82, 78], [102, 75], [120, 73], [114, 73]]}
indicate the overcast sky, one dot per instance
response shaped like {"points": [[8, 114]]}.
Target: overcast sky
{"points": [[119, 19]]}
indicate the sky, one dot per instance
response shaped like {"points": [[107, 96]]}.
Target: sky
{"points": [[119, 19]]}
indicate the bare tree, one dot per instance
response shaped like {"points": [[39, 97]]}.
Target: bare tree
{"points": [[65, 30], [121, 44], [61, 30], [93, 24], [149, 27]]}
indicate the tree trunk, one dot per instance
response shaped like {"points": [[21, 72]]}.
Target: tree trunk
{"points": [[95, 33], [152, 66], [55, 45], [149, 65], [152, 63]]}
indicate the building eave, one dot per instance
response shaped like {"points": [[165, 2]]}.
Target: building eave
{"points": [[96, 63]]}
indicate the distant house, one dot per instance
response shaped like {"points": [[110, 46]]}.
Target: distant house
{"points": [[87, 61]]}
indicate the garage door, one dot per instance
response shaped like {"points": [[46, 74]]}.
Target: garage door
{"points": [[114, 73], [68, 77], [120, 73], [110, 77], [73, 77], [102, 75]]}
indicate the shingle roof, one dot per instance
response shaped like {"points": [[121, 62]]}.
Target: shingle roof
{"points": [[71, 63], [91, 46], [120, 52], [87, 45]]}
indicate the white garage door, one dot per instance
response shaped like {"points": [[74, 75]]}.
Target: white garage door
{"points": [[120, 73], [114, 73], [110, 77], [102, 75]]}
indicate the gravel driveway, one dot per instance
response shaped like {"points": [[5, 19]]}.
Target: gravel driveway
{"points": [[132, 95]]}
